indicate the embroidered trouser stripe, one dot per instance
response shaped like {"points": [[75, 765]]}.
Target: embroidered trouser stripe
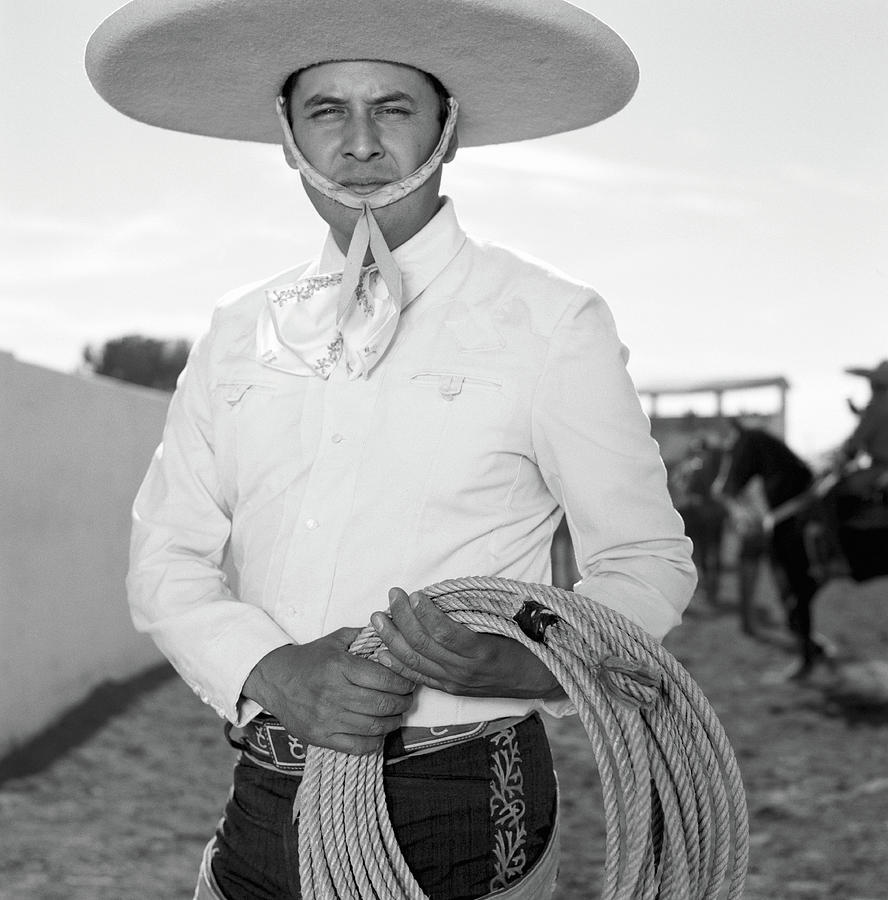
{"points": [[507, 810]]}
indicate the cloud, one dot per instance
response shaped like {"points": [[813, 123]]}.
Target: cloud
{"points": [[45, 253], [840, 184], [552, 161], [568, 177], [48, 251]]}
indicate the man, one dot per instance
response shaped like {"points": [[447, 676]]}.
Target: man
{"points": [[409, 407], [704, 516], [870, 436], [856, 505]]}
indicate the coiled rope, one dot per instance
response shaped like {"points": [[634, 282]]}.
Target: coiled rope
{"points": [[674, 803]]}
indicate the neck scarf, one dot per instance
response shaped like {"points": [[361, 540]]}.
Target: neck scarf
{"points": [[366, 312]]}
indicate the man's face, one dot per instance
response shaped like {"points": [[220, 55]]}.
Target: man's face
{"points": [[366, 124]]}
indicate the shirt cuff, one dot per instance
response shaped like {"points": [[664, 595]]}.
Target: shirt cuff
{"points": [[245, 710]]}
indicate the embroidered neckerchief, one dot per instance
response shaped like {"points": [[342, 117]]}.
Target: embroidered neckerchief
{"points": [[297, 331], [302, 316]]}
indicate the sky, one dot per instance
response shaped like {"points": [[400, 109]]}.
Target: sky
{"points": [[734, 215]]}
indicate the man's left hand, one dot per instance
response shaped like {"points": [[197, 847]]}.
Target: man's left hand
{"points": [[428, 647]]}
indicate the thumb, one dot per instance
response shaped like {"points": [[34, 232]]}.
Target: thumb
{"points": [[344, 637]]}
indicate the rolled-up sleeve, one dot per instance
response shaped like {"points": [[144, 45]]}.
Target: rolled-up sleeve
{"points": [[594, 449], [177, 590]]}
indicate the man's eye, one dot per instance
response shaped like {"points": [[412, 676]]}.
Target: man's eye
{"points": [[394, 112], [326, 112]]}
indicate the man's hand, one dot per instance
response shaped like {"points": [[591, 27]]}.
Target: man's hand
{"points": [[328, 697], [428, 647]]}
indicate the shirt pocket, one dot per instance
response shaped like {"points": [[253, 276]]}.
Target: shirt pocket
{"points": [[258, 431], [234, 392], [457, 416], [451, 385], [449, 435]]}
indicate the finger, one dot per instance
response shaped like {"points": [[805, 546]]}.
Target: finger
{"points": [[392, 662], [409, 652], [345, 636], [353, 744], [346, 731], [352, 739], [348, 740], [375, 704], [368, 674], [404, 617], [450, 635], [365, 725]]}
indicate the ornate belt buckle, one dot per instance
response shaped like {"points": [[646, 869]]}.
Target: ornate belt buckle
{"points": [[287, 751]]}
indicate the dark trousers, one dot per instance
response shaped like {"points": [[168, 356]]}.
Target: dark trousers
{"points": [[469, 819], [789, 552]]}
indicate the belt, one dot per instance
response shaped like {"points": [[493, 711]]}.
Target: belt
{"points": [[266, 742]]}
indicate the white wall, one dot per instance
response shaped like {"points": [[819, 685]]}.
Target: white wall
{"points": [[73, 451]]}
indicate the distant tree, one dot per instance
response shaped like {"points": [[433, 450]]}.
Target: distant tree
{"points": [[141, 360]]}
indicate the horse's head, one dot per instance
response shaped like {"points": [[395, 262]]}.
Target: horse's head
{"points": [[756, 452], [739, 462]]}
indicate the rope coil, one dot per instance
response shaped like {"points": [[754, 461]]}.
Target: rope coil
{"points": [[675, 808]]}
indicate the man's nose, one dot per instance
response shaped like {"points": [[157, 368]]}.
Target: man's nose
{"points": [[361, 140]]}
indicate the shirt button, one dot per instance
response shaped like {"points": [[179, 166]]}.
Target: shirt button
{"points": [[337, 438], [311, 524]]}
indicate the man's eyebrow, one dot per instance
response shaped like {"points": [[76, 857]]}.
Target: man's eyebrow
{"points": [[395, 97], [316, 100]]}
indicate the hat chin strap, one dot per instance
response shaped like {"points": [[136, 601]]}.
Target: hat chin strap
{"points": [[366, 234], [386, 195]]}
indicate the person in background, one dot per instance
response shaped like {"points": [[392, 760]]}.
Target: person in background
{"points": [[703, 514], [409, 406], [870, 436], [855, 497]]}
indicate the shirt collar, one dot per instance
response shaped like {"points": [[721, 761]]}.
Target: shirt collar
{"points": [[421, 259]]}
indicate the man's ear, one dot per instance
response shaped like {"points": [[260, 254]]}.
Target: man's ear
{"points": [[453, 146]]}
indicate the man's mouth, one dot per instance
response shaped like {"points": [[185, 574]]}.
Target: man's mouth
{"points": [[363, 186]]}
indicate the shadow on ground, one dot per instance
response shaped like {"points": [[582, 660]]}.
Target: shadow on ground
{"points": [[80, 723]]}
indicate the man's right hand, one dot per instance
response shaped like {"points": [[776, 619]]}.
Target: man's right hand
{"points": [[328, 697]]}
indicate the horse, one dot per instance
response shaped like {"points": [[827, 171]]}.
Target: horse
{"points": [[856, 506], [807, 530], [788, 484], [690, 484]]}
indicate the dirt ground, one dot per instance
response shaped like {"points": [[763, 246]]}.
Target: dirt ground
{"points": [[124, 814]]}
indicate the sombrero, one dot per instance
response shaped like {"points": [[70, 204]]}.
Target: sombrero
{"points": [[519, 68], [879, 375]]}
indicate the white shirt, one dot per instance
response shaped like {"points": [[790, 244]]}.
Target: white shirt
{"points": [[503, 396]]}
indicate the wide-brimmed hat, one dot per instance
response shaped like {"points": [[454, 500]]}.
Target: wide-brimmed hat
{"points": [[879, 375], [519, 68]]}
